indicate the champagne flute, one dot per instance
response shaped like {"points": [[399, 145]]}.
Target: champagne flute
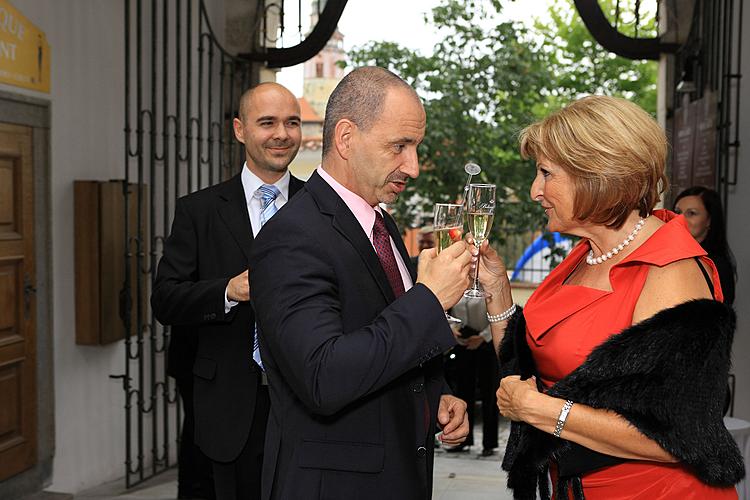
{"points": [[448, 228], [480, 210]]}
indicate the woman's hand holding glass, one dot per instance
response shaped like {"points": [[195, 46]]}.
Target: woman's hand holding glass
{"points": [[480, 210], [494, 279], [492, 271]]}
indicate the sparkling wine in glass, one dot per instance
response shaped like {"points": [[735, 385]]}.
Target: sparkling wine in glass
{"points": [[448, 228], [480, 210]]}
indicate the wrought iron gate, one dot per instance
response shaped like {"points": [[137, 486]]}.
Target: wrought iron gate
{"points": [[181, 90]]}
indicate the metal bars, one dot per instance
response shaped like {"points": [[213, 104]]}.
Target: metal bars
{"points": [[715, 33], [181, 89]]}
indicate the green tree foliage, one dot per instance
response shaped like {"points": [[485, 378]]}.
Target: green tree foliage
{"points": [[480, 87], [580, 66], [482, 84]]}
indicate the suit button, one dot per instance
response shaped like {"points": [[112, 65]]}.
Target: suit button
{"points": [[421, 452], [417, 387]]}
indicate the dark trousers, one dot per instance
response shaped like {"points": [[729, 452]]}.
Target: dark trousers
{"points": [[240, 479], [472, 369], [194, 474]]}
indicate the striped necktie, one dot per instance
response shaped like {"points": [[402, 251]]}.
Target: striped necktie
{"points": [[267, 194]]}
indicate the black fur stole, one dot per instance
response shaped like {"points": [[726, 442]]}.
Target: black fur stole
{"points": [[666, 375]]}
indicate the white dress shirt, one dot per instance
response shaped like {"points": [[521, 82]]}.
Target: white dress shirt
{"points": [[250, 184]]}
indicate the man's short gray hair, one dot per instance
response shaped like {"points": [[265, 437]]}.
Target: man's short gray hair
{"points": [[359, 97]]}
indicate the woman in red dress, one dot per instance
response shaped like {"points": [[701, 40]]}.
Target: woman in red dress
{"points": [[617, 361]]}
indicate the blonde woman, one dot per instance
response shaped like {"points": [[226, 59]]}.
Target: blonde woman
{"points": [[614, 372]]}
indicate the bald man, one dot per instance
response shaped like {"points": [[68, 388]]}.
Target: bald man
{"points": [[202, 289], [352, 335]]}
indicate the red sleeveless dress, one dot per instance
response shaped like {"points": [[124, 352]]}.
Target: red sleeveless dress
{"points": [[565, 322]]}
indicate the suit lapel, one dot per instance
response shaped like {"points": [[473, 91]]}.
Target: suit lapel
{"points": [[345, 223], [232, 208], [294, 186]]}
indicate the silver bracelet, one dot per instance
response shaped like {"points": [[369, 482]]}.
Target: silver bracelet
{"points": [[563, 416], [496, 318]]}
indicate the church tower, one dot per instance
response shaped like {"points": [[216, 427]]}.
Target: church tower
{"points": [[321, 73]]}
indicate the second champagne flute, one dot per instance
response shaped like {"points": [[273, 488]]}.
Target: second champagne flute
{"points": [[480, 210], [449, 228]]}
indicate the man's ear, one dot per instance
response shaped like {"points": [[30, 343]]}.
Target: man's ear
{"points": [[343, 137], [238, 130]]}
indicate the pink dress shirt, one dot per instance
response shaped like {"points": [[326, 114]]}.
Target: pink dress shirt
{"points": [[365, 215]]}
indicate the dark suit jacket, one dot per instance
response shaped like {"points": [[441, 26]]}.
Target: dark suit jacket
{"points": [[355, 375], [209, 244]]}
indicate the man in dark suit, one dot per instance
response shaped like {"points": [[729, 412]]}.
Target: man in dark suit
{"points": [[202, 288], [350, 338]]}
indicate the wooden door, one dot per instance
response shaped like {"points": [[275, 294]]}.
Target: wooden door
{"points": [[18, 426]]}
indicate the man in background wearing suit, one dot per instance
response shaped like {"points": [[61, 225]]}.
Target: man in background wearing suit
{"points": [[202, 289], [350, 338]]}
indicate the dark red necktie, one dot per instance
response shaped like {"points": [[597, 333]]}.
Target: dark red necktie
{"points": [[382, 242], [381, 239]]}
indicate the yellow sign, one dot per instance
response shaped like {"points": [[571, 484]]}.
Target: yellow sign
{"points": [[24, 52]]}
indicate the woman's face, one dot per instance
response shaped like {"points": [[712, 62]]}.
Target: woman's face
{"points": [[553, 189], [696, 215]]}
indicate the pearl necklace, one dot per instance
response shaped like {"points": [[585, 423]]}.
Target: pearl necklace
{"points": [[592, 261]]}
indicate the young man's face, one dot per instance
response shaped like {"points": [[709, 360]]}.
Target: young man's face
{"points": [[270, 129]]}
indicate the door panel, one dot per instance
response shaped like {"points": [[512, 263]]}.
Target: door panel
{"points": [[8, 301], [18, 424], [7, 203]]}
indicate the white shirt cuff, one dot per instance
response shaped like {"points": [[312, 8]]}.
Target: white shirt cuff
{"points": [[228, 304]]}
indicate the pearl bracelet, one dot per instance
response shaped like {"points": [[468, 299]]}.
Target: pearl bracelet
{"points": [[496, 318], [562, 418]]}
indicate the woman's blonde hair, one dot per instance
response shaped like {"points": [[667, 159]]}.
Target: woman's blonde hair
{"points": [[614, 152]]}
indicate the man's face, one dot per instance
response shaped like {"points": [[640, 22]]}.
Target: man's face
{"points": [[270, 130], [384, 158]]}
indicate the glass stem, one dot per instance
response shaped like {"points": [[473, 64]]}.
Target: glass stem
{"points": [[476, 271]]}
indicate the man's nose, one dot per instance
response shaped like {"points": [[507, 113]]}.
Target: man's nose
{"points": [[411, 164], [280, 132]]}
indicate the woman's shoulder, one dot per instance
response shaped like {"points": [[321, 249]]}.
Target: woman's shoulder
{"points": [[669, 285]]}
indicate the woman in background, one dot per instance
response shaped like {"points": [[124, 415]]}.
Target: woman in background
{"points": [[705, 220]]}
